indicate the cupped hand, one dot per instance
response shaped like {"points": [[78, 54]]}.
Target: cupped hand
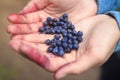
{"points": [[101, 34], [32, 16]]}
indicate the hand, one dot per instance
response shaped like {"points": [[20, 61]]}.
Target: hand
{"points": [[32, 16], [100, 37]]}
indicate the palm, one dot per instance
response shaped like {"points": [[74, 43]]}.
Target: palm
{"points": [[95, 49]]}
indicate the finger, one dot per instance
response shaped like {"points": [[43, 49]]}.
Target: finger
{"points": [[25, 18], [24, 28], [33, 6], [77, 67], [35, 37]]}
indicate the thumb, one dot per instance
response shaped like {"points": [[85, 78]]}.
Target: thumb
{"points": [[77, 67]]}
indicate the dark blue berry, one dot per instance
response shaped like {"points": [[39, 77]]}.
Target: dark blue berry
{"points": [[45, 23], [55, 50], [69, 36], [70, 46], [70, 41], [49, 19], [79, 33], [75, 46], [65, 16], [48, 42], [79, 39], [57, 36], [64, 45], [67, 50], [41, 29], [58, 43], [61, 51], [50, 49], [64, 39]]}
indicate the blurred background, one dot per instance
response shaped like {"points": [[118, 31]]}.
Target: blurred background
{"points": [[15, 67]]}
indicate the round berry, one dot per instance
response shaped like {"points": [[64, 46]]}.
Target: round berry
{"points": [[48, 42]]}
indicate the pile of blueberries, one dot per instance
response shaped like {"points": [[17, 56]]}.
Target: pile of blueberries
{"points": [[65, 37]]}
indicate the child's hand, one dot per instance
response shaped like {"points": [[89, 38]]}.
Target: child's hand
{"points": [[32, 16], [100, 37]]}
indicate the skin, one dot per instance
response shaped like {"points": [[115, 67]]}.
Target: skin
{"points": [[100, 37], [32, 16], [99, 41]]}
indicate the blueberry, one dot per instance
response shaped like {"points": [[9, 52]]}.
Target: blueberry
{"points": [[55, 50], [54, 20], [64, 39], [69, 36], [54, 40], [65, 45], [46, 27], [67, 50], [45, 23], [61, 18], [48, 19], [54, 24], [48, 31], [50, 49], [58, 43], [79, 39], [57, 36], [70, 46], [74, 38], [75, 42], [65, 15], [57, 31], [61, 51], [70, 41], [64, 34], [48, 42], [75, 46], [41, 30], [79, 33]]}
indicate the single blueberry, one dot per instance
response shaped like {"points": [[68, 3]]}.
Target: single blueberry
{"points": [[41, 29], [45, 23], [48, 42], [64, 45], [48, 19], [57, 36], [79, 39], [79, 33], [70, 46], [75, 42], [69, 36], [75, 46], [67, 50], [55, 50], [74, 38], [48, 31], [58, 43], [61, 53], [50, 49], [65, 15], [64, 39], [54, 20], [64, 34], [69, 41]]}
